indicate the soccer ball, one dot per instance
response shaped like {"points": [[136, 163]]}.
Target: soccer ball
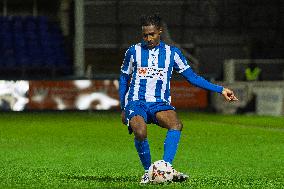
{"points": [[161, 171]]}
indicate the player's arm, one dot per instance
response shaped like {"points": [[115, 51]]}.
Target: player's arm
{"points": [[184, 69], [124, 78], [199, 81], [123, 88]]}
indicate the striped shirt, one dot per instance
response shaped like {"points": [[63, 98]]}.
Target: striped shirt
{"points": [[150, 71]]}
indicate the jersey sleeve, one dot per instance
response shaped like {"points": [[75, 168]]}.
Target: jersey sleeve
{"points": [[199, 81], [123, 88], [126, 66], [180, 62], [182, 67], [125, 72]]}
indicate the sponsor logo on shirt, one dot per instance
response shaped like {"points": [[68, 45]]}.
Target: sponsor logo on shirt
{"points": [[152, 73]]}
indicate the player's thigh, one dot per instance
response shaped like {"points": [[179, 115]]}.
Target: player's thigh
{"points": [[168, 119], [139, 127]]}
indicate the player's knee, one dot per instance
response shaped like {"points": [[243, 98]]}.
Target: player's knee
{"points": [[140, 134], [178, 126], [139, 127]]}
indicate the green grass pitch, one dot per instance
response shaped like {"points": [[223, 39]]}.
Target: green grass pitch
{"points": [[94, 150]]}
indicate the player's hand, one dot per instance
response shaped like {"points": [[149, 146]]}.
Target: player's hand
{"points": [[229, 95], [123, 117]]}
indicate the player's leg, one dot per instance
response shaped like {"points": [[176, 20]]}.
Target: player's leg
{"points": [[168, 119], [139, 129], [136, 118]]}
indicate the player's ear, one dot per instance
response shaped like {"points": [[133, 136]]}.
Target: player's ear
{"points": [[160, 30]]}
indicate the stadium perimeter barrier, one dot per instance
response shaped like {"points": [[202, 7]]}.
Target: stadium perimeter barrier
{"points": [[84, 94], [102, 94]]}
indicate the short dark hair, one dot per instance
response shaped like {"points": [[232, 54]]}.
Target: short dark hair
{"points": [[148, 20]]}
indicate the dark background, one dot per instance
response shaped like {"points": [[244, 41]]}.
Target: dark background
{"points": [[210, 30]]}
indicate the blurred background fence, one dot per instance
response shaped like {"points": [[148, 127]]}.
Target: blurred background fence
{"points": [[86, 40]]}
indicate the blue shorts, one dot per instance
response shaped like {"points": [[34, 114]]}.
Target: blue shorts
{"points": [[147, 110]]}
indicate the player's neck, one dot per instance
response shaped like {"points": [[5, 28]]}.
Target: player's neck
{"points": [[154, 47]]}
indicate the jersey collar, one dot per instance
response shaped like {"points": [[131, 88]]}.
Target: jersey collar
{"points": [[161, 45]]}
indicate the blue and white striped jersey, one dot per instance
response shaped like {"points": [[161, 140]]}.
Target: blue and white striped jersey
{"points": [[150, 71]]}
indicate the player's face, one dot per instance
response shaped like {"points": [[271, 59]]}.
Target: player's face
{"points": [[151, 35]]}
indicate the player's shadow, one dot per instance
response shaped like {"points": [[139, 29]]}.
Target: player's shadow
{"points": [[101, 178]]}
